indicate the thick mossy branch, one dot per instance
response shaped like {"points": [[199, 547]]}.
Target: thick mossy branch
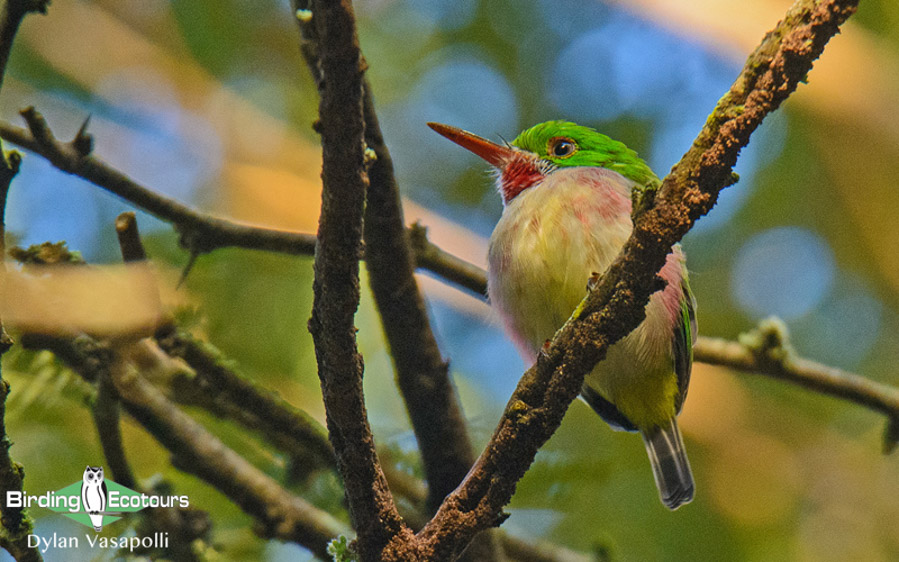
{"points": [[616, 304]]}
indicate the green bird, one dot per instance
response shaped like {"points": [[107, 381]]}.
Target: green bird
{"points": [[566, 193]]}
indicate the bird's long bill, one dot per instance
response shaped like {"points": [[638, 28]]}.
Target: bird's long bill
{"points": [[497, 154]]}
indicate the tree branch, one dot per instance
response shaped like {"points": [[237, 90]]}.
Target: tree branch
{"points": [[195, 450], [422, 373], [107, 421], [616, 304], [16, 524], [336, 283], [767, 351], [222, 391], [202, 232], [450, 268], [185, 525], [13, 12]]}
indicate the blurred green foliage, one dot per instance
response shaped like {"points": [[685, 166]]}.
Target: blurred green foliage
{"points": [[782, 474]]}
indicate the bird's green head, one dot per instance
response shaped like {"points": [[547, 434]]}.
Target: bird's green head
{"points": [[543, 148], [568, 144]]}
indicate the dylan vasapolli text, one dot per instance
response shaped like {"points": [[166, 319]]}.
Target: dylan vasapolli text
{"points": [[157, 540]]}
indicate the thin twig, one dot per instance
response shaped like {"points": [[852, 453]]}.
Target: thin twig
{"points": [[195, 450], [218, 388], [448, 267], [203, 232], [221, 390], [766, 350], [130, 244], [200, 232], [107, 421], [184, 525]]}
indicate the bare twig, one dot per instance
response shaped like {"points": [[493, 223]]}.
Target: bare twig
{"points": [[201, 231], [107, 420], [767, 351], [184, 525], [336, 285], [130, 244], [195, 450], [540, 551], [453, 269], [219, 389]]}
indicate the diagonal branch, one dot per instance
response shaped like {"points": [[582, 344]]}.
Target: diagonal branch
{"points": [[200, 232], [616, 304], [204, 232]]}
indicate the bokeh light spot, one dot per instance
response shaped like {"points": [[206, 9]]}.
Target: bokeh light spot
{"points": [[169, 149], [784, 271], [447, 14], [845, 326], [756, 480], [55, 206], [460, 91]]}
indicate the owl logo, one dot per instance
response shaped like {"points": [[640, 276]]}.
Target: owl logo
{"points": [[93, 495]]}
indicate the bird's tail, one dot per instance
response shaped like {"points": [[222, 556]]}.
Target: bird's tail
{"points": [[670, 466]]}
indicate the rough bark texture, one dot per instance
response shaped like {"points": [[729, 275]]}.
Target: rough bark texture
{"points": [[336, 285]]}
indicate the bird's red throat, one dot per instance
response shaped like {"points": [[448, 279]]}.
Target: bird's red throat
{"points": [[520, 172]]}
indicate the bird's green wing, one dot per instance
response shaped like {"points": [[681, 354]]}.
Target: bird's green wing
{"points": [[684, 337]]}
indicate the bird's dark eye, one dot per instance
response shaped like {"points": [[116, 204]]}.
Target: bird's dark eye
{"points": [[561, 147]]}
